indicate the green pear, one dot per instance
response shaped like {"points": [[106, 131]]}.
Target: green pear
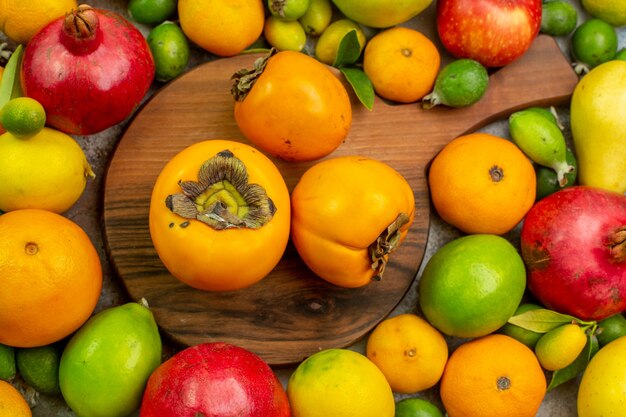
{"points": [[598, 126], [381, 13]]}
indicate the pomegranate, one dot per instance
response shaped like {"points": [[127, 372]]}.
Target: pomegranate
{"points": [[89, 70], [573, 243], [214, 380]]}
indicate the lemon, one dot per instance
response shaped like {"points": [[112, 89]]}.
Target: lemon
{"points": [[409, 351], [559, 347], [611, 11], [339, 383], [39, 367], [20, 19]]}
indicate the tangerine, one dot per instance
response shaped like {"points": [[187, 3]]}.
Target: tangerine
{"points": [[494, 375], [481, 183], [402, 64], [12, 403], [50, 277], [20, 19]]}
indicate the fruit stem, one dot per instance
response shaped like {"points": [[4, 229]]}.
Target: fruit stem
{"points": [[244, 79], [81, 30], [386, 243], [561, 168], [431, 100]]}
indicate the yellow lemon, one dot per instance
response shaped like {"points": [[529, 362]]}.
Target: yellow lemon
{"points": [[339, 383], [409, 351], [611, 11], [20, 19]]}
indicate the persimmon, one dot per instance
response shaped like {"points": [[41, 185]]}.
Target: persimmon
{"points": [[348, 214], [292, 106], [219, 215]]}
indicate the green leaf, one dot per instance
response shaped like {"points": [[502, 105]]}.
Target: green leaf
{"points": [[578, 366], [541, 320], [349, 50], [361, 85], [10, 86]]}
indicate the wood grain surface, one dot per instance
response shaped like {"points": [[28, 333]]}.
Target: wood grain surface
{"points": [[292, 313]]}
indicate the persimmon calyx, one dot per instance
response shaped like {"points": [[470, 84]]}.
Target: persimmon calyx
{"points": [[387, 242], [222, 197], [244, 79]]}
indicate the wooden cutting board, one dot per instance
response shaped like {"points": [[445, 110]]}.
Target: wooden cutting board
{"points": [[292, 313]]}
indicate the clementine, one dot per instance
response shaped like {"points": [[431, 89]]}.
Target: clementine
{"points": [[494, 375], [481, 183], [12, 403], [50, 277]]}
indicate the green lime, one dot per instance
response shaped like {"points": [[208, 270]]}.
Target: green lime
{"points": [[7, 362], [23, 117], [620, 55], [170, 49], [472, 285], [527, 337], [461, 83], [328, 43], [284, 36], [288, 10], [547, 182], [611, 328], [558, 18], [317, 17], [593, 43], [416, 407], [560, 346], [39, 367], [151, 12]]}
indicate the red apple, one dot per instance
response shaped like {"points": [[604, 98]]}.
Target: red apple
{"points": [[214, 380], [492, 32], [573, 243]]}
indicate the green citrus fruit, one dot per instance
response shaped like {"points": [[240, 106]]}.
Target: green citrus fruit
{"points": [[339, 383], [39, 367], [547, 181], [170, 50], [328, 43], [317, 17], [527, 337], [151, 12], [284, 36], [23, 117], [593, 43], [416, 407], [611, 328], [106, 364], [560, 346], [461, 83], [558, 18], [7, 362], [472, 285]]}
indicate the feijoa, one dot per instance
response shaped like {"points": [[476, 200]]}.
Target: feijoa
{"points": [[558, 18], [547, 182], [283, 35], [593, 43], [170, 50], [461, 83]]}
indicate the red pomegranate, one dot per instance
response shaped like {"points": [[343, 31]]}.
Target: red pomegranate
{"points": [[214, 380], [573, 243], [89, 70]]}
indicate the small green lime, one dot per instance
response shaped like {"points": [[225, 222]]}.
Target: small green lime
{"points": [[23, 117], [461, 83], [151, 12], [416, 407], [7, 362], [288, 10], [558, 18], [317, 17], [547, 181], [39, 367], [284, 36], [170, 50], [611, 328], [560, 346], [527, 337], [593, 43]]}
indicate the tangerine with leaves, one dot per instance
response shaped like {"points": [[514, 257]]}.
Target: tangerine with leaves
{"points": [[481, 183], [492, 376], [50, 276]]}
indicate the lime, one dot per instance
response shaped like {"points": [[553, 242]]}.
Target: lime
{"points": [[620, 55], [170, 50], [317, 17], [461, 83], [472, 285], [7, 362], [151, 12], [288, 10], [39, 367], [23, 117], [416, 407], [560, 346], [611, 328], [558, 18], [284, 36], [527, 337], [593, 43], [328, 43], [547, 182]]}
